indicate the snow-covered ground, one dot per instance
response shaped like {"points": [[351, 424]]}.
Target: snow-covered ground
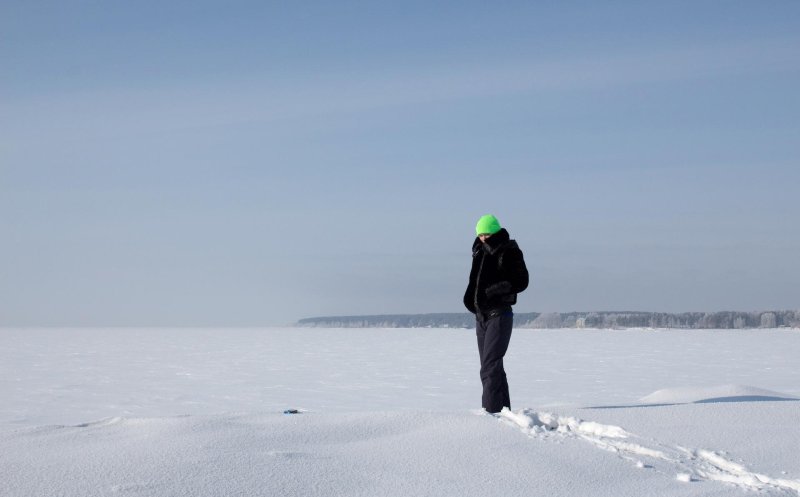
{"points": [[199, 412]]}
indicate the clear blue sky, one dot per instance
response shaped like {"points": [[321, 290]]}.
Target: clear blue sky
{"points": [[252, 163]]}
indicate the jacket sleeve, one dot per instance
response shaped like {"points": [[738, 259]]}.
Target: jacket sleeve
{"points": [[515, 270], [469, 293], [468, 299]]}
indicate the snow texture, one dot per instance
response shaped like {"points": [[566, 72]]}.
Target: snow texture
{"points": [[392, 412]]}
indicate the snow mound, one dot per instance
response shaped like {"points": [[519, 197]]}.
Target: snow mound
{"points": [[723, 393]]}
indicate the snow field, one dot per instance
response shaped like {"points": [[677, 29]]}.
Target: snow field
{"points": [[64, 376], [393, 412]]}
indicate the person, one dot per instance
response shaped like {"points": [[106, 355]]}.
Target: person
{"points": [[498, 274]]}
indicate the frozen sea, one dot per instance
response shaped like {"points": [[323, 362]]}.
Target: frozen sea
{"points": [[164, 412]]}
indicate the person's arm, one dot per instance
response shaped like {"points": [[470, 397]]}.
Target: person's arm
{"points": [[515, 272]]}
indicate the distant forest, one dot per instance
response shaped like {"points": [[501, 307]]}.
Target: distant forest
{"points": [[554, 320]]}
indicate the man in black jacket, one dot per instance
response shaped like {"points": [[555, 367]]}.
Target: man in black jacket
{"points": [[498, 274]]}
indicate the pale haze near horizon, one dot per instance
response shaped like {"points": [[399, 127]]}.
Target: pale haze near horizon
{"points": [[200, 164]]}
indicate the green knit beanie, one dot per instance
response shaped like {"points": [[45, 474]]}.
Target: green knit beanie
{"points": [[487, 224]]}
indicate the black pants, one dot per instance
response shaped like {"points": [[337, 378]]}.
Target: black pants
{"points": [[494, 334]]}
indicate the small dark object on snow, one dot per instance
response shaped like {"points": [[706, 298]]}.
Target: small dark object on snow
{"points": [[291, 411]]}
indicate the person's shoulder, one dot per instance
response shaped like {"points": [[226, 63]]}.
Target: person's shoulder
{"points": [[512, 248], [511, 244]]}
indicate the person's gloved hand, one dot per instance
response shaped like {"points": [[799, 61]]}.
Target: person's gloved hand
{"points": [[502, 288]]}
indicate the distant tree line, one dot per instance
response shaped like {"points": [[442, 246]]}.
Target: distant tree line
{"points": [[556, 320], [442, 320]]}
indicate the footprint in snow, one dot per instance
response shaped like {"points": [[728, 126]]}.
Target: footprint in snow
{"points": [[687, 465]]}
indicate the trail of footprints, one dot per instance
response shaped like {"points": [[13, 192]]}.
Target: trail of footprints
{"points": [[687, 465]]}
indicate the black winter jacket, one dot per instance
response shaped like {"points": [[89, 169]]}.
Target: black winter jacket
{"points": [[498, 274]]}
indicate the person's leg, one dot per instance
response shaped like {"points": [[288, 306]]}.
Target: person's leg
{"points": [[497, 335], [508, 325], [480, 332]]}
